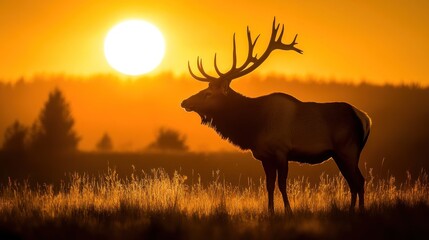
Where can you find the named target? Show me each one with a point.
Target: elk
(278, 128)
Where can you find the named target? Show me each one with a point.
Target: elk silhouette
(278, 128)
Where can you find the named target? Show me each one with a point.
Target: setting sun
(134, 47)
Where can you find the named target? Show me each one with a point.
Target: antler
(252, 61)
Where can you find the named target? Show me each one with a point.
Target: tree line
(53, 133)
(397, 143)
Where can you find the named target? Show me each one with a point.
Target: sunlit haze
(376, 41)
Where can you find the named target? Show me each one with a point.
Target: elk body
(279, 128)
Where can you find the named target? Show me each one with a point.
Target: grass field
(156, 205)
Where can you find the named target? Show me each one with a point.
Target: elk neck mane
(241, 120)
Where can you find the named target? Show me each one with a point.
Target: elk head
(218, 94)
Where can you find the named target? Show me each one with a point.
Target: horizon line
(307, 78)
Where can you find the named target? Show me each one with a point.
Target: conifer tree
(105, 144)
(53, 131)
(15, 138)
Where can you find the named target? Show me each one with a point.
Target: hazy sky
(381, 41)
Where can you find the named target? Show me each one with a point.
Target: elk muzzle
(187, 105)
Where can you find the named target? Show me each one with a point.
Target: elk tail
(366, 124)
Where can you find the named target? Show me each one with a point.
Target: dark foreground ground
(392, 222)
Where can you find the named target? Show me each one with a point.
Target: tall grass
(155, 205)
(145, 193)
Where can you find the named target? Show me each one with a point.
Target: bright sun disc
(134, 47)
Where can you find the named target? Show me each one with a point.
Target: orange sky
(381, 41)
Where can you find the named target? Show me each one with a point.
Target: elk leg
(270, 174)
(283, 171)
(361, 190)
(349, 174)
(353, 200)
